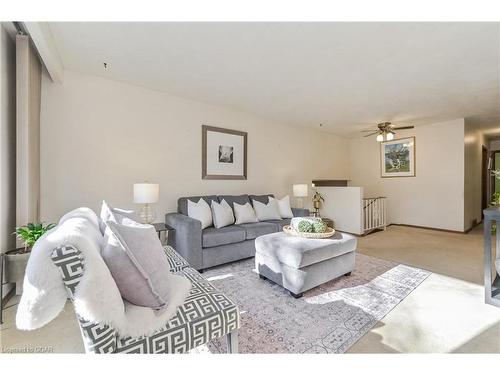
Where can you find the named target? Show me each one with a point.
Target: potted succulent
(16, 260)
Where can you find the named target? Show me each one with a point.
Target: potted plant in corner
(16, 260)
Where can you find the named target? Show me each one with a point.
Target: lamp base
(147, 214)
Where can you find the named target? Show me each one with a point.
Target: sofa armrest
(300, 212)
(186, 239)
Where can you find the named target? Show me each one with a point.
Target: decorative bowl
(290, 230)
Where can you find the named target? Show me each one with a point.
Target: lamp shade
(146, 193)
(300, 190)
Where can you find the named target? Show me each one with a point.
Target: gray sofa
(211, 247)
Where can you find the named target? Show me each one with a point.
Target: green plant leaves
(32, 232)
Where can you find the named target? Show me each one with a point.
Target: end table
(162, 227)
(328, 222)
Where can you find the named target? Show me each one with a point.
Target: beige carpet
(446, 313)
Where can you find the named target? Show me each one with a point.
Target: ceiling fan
(385, 131)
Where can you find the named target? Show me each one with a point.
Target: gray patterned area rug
(327, 319)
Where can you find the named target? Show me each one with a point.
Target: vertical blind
(28, 95)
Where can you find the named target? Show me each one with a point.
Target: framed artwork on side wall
(224, 154)
(397, 158)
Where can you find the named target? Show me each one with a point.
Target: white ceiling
(346, 76)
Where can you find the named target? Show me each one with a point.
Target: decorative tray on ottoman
(290, 230)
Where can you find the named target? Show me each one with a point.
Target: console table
(491, 277)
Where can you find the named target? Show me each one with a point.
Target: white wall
(474, 142)
(99, 136)
(344, 206)
(435, 196)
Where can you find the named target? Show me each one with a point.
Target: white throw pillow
(244, 213)
(284, 207)
(116, 215)
(267, 211)
(222, 214)
(200, 211)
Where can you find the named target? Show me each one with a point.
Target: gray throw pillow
(139, 266)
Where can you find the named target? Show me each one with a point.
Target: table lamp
(145, 194)
(300, 191)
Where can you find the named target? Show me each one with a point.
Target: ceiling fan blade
(368, 130)
(371, 134)
(403, 127)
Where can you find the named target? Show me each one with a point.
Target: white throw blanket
(96, 298)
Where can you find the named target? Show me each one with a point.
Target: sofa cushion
(280, 223)
(261, 198)
(300, 212)
(231, 199)
(254, 230)
(182, 204)
(212, 237)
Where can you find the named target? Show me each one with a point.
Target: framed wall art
(224, 154)
(397, 157)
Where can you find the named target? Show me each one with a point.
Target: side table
(328, 222)
(162, 227)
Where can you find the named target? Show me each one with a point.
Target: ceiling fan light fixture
(385, 131)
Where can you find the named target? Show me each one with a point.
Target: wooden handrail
(372, 201)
